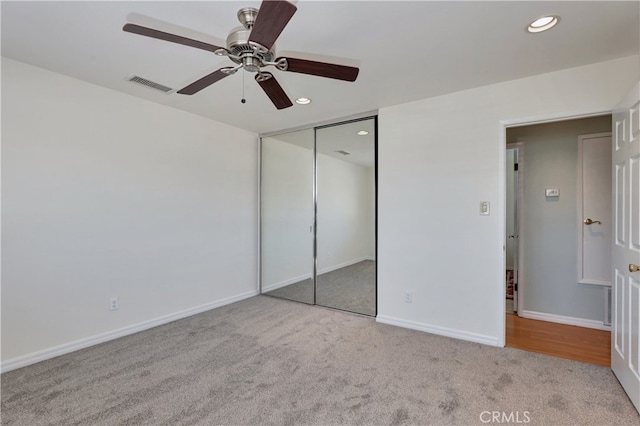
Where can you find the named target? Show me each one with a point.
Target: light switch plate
(484, 208)
(553, 192)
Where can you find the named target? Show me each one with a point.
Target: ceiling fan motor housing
(248, 53)
(251, 55)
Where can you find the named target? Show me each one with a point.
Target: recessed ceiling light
(542, 24)
(303, 101)
(362, 133)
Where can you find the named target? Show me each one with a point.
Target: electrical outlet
(408, 297)
(114, 304)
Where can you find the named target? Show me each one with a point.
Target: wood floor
(565, 341)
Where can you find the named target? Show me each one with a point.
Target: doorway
(318, 216)
(547, 280)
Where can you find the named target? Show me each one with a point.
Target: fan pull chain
(243, 100)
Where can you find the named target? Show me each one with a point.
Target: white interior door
(594, 209)
(625, 340)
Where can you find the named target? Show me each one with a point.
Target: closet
(318, 215)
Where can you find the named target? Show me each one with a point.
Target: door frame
(503, 125)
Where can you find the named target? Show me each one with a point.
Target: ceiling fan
(252, 49)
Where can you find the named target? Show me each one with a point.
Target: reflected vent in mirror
(343, 152)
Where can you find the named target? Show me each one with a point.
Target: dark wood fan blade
(321, 69)
(272, 17)
(273, 90)
(204, 82)
(173, 38)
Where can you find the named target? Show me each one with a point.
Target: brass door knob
(633, 268)
(588, 221)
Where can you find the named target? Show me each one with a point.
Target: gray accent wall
(550, 230)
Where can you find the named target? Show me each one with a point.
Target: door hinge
(515, 167)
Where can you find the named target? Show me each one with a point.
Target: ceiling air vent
(343, 152)
(152, 84)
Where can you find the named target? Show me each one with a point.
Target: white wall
(548, 281)
(106, 195)
(438, 159)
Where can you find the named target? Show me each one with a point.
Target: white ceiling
(405, 50)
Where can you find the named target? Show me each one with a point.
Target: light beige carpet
(352, 288)
(269, 361)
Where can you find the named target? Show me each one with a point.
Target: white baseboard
(560, 319)
(342, 265)
(285, 283)
(441, 331)
(66, 348)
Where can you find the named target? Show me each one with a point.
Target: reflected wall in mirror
(346, 271)
(287, 215)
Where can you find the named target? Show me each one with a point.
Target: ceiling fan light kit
(251, 47)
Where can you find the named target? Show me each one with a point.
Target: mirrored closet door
(287, 216)
(318, 204)
(346, 272)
